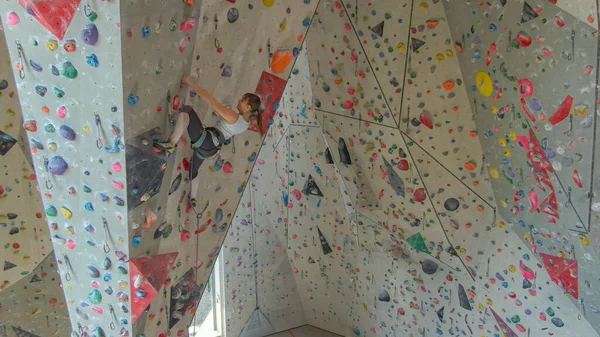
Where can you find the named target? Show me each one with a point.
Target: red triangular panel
(155, 268)
(563, 272)
(139, 304)
(504, 328)
(55, 15)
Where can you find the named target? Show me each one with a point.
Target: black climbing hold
(22, 333)
(344, 154)
(526, 284)
(311, 188)
(232, 15)
(175, 184)
(416, 44)
(415, 122)
(503, 2)
(378, 29)
(429, 267)
(35, 278)
(328, 157)
(324, 244)
(401, 153)
(9, 265)
(106, 264)
(383, 296)
(450, 250)
(528, 13)
(310, 260)
(3, 85)
(440, 314)
(463, 299)
(395, 180)
(451, 204)
(93, 271)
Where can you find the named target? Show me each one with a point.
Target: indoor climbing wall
(322, 244)
(21, 218)
(239, 268)
(157, 46)
(343, 82)
(255, 249)
(296, 106)
(436, 113)
(66, 60)
(533, 73)
(35, 305)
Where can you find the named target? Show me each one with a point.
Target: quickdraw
(21, 64)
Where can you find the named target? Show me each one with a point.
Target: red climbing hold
(420, 195)
(576, 179)
(55, 15)
(563, 111)
(403, 165)
(426, 119)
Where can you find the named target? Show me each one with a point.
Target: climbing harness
(197, 145)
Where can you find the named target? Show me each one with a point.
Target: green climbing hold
(69, 70)
(172, 26)
(51, 211)
(515, 319)
(86, 189)
(413, 75)
(388, 16)
(95, 296)
(550, 312)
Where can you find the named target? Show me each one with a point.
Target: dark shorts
(206, 149)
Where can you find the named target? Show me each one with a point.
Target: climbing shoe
(165, 146)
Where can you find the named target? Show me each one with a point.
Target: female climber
(206, 142)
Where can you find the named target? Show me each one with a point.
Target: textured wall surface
(429, 169)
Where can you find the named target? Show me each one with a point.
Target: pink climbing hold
(348, 104)
(347, 27)
(71, 244)
(523, 142)
(62, 112)
(227, 168)
(116, 167)
(260, 162)
(533, 199)
(187, 25)
(420, 195)
(118, 185)
(297, 194)
(426, 119)
(351, 91)
(13, 18)
(526, 271)
(526, 88)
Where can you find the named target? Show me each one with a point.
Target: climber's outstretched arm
(229, 115)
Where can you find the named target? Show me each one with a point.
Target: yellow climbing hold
(504, 203)
(121, 240)
(489, 301)
(512, 268)
(401, 47)
(52, 45)
(68, 214)
(495, 109)
(484, 84)
(494, 173)
(461, 251)
(449, 52)
(268, 3)
(365, 306)
(502, 142)
(584, 239)
(481, 306)
(507, 152)
(512, 135)
(283, 25)
(501, 225)
(439, 57)
(86, 128)
(423, 7)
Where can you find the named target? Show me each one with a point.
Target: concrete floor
(305, 331)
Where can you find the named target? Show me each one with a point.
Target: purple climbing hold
(57, 165)
(89, 34)
(67, 132)
(226, 71)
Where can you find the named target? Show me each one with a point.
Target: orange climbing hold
(470, 166)
(281, 60)
(448, 85)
